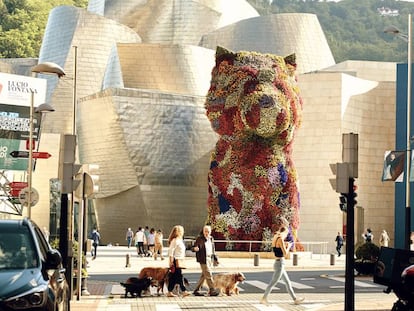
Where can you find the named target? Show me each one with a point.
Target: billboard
(394, 162)
(15, 99)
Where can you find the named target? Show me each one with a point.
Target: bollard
(332, 261)
(127, 264)
(256, 260)
(295, 259)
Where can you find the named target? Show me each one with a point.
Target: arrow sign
(19, 154)
(25, 154)
(41, 155)
(18, 184)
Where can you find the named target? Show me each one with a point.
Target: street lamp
(406, 37)
(50, 68)
(41, 109)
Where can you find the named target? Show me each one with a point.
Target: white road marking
(357, 283)
(167, 307)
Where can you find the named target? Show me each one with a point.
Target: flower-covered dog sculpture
(254, 105)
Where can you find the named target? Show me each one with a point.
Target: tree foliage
(22, 24)
(354, 29)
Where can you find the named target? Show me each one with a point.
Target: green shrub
(367, 251)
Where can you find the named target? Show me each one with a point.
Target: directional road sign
(35, 154)
(16, 187)
(18, 184)
(24, 197)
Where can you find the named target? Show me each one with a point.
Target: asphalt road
(319, 281)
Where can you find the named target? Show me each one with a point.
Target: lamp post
(41, 109)
(395, 31)
(50, 68)
(66, 235)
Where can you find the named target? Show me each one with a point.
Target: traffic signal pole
(350, 241)
(346, 173)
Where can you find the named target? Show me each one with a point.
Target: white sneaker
(299, 300)
(264, 301)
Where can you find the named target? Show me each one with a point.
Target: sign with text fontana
(15, 99)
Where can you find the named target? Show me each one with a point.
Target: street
(321, 284)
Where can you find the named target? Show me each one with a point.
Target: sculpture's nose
(266, 101)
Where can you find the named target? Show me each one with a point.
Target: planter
(364, 267)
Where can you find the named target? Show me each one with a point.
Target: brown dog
(157, 274)
(227, 282)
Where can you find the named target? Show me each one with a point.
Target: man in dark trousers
(95, 242)
(339, 242)
(204, 248)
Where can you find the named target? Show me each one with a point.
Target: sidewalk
(112, 260)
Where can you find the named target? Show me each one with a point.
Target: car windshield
(17, 250)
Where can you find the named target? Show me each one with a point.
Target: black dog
(135, 286)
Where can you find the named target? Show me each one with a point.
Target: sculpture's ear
(224, 54)
(291, 59)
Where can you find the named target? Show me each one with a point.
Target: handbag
(172, 268)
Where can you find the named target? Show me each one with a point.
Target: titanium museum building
(143, 69)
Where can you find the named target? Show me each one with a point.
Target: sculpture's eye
(250, 86)
(266, 101)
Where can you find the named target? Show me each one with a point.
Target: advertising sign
(7, 162)
(15, 99)
(394, 162)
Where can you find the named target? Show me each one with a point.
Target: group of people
(205, 256)
(368, 237)
(383, 240)
(148, 242)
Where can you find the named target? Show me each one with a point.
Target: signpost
(25, 154)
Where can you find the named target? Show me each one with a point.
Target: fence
(313, 247)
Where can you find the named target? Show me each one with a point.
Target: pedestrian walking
(151, 242)
(146, 233)
(205, 256)
(384, 238)
(129, 237)
(339, 243)
(368, 236)
(158, 244)
(281, 251)
(176, 254)
(139, 242)
(96, 237)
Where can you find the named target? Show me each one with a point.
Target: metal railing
(313, 247)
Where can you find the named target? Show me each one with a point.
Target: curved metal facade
(280, 34)
(141, 80)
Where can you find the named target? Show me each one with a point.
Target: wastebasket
(256, 260)
(332, 260)
(295, 259)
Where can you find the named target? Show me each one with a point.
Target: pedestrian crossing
(329, 281)
(304, 284)
(308, 285)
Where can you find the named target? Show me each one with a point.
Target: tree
(22, 23)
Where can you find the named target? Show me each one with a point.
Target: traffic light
(343, 202)
(341, 183)
(353, 195)
(67, 167)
